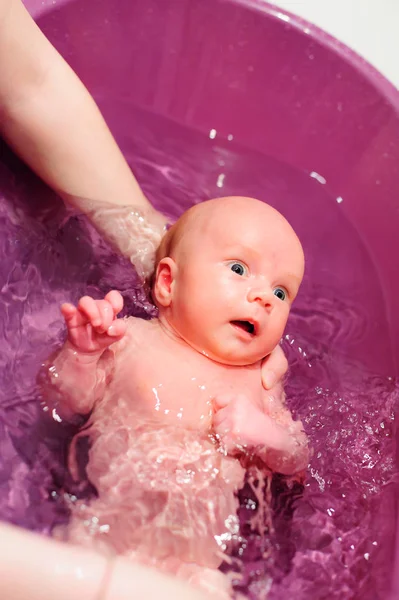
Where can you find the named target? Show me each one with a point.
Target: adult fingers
(274, 367)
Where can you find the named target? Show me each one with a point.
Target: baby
(175, 401)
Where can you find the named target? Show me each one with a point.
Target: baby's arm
(278, 440)
(75, 378)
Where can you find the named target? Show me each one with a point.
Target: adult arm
(38, 568)
(52, 122)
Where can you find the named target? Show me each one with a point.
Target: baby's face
(237, 274)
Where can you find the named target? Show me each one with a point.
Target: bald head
(231, 216)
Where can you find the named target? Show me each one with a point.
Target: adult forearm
(52, 122)
(49, 118)
(54, 569)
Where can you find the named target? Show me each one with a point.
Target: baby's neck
(167, 330)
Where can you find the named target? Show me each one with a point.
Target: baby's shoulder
(137, 327)
(137, 332)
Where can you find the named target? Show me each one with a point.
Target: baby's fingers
(117, 329)
(220, 402)
(98, 312)
(68, 311)
(106, 314)
(116, 301)
(73, 318)
(89, 308)
(220, 420)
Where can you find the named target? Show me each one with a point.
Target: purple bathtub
(265, 81)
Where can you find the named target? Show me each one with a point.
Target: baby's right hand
(92, 325)
(234, 420)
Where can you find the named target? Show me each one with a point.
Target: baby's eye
(280, 293)
(239, 268)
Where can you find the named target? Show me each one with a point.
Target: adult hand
(273, 370)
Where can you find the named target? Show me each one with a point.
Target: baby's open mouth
(245, 326)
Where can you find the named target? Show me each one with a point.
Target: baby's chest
(167, 387)
(180, 387)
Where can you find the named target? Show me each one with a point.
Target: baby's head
(226, 275)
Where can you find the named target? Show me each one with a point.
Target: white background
(371, 28)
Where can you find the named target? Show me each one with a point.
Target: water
(331, 539)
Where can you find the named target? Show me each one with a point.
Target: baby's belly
(162, 491)
(157, 455)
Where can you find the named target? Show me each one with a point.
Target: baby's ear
(163, 282)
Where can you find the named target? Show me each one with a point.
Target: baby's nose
(262, 295)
